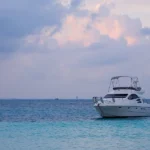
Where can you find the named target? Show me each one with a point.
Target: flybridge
(115, 83)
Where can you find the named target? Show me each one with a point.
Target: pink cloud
(75, 30)
(85, 30)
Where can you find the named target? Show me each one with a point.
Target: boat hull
(123, 111)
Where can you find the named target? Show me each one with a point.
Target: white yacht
(123, 101)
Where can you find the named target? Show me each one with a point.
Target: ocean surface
(67, 125)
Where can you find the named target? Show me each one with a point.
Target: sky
(69, 48)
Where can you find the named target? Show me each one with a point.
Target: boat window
(146, 101)
(133, 96)
(116, 96)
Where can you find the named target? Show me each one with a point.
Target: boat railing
(97, 99)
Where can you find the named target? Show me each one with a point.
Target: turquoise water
(67, 125)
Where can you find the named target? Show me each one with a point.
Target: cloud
(17, 19)
(75, 29)
(88, 29)
(70, 49)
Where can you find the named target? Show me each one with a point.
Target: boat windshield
(116, 96)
